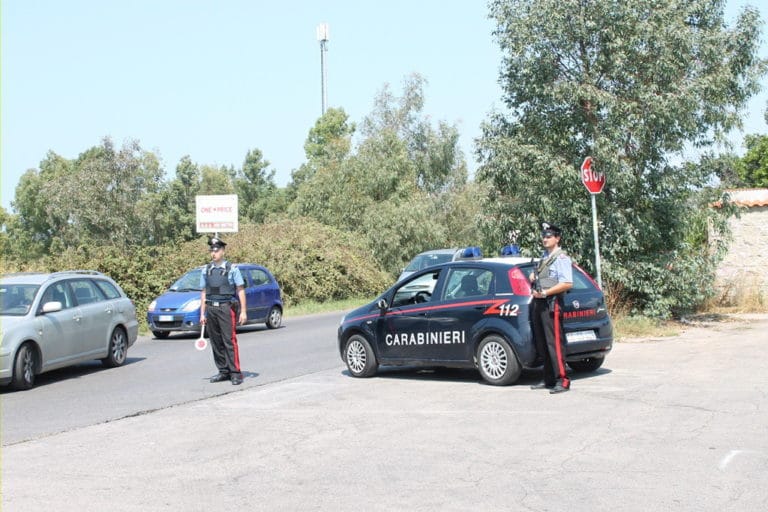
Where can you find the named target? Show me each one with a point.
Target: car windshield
(189, 282)
(427, 260)
(15, 299)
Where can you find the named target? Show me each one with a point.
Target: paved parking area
(670, 424)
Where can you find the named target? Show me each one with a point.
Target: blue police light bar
(471, 253)
(510, 250)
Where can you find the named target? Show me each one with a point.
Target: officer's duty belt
(218, 302)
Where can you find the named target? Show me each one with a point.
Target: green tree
(392, 188)
(255, 187)
(6, 219)
(723, 166)
(216, 180)
(105, 196)
(753, 167)
(327, 146)
(177, 221)
(33, 230)
(631, 84)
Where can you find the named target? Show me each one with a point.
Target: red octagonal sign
(593, 180)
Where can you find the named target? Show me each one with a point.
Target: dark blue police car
(471, 314)
(178, 309)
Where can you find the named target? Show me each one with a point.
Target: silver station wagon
(50, 321)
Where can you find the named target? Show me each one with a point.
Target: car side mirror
(52, 306)
(382, 304)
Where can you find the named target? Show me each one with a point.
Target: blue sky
(213, 80)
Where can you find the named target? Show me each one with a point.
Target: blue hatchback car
(178, 309)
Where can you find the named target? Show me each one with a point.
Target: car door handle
(76, 318)
(108, 311)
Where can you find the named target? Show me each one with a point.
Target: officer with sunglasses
(553, 277)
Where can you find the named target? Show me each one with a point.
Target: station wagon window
(108, 289)
(58, 292)
(468, 282)
(417, 291)
(86, 291)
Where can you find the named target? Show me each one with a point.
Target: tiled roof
(747, 197)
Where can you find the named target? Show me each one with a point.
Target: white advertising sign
(216, 214)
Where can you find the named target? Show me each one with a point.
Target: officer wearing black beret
(552, 278)
(222, 305)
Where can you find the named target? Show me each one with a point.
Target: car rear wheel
(589, 364)
(161, 335)
(274, 318)
(118, 349)
(24, 368)
(497, 362)
(359, 357)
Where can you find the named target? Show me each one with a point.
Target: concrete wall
(745, 267)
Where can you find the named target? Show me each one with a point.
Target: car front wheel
(359, 357)
(118, 349)
(274, 318)
(497, 362)
(586, 365)
(24, 368)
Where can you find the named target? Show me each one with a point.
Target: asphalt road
(671, 424)
(163, 373)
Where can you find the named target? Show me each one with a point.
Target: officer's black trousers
(550, 340)
(220, 326)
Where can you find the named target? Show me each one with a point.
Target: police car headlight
(191, 305)
(341, 322)
(152, 305)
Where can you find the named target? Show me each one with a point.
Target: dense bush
(312, 262)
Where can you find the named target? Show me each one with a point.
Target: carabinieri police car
(471, 314)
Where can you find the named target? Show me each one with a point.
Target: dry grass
(643, 327)
(739, 297)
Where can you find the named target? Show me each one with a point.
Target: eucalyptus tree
(632, 84)
(106, 196)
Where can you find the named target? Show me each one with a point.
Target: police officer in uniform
(552, 278)
(222, 306)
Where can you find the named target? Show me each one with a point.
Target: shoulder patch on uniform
(562, 255)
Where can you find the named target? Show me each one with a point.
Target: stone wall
(745, 267)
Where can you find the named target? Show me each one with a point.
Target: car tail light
(518, 281)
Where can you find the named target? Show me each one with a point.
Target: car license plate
(165, 318)
(581, 336)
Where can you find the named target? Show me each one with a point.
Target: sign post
(594, 181)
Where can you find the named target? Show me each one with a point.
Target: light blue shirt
(561, 268)
(234, 277)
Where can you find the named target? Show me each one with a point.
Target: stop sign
(593, 180)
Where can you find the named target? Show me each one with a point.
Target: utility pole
(323, 37)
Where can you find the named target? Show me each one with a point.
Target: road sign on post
(216, 214)
(594, 181)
